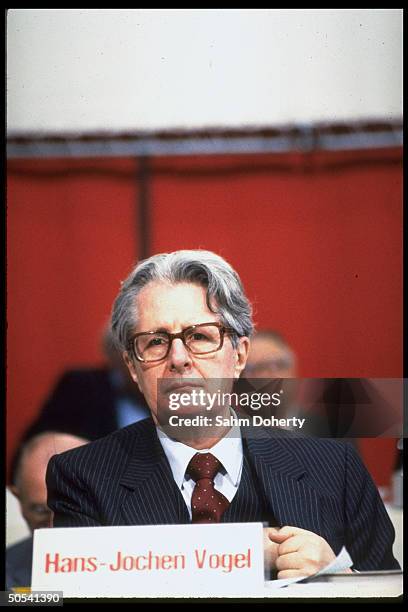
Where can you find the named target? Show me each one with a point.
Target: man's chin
(190, 423)
(185, 412)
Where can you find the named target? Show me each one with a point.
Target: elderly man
(182, 319)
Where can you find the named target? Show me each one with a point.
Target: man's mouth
(182, 386)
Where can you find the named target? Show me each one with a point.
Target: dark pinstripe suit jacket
(317, 484)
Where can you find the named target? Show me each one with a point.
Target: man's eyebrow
(165, 329)
(152, 330)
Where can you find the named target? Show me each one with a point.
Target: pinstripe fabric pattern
(317, 484)
(249, 503)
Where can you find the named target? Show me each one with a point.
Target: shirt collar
(228, 451)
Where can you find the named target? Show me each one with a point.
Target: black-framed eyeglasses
(200, 339)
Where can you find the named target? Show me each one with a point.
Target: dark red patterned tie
(207, 504)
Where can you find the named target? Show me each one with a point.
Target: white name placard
(150, 561)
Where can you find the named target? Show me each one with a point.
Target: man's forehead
(162, 305)
(267, 345)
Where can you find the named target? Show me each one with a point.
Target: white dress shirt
(228, 451)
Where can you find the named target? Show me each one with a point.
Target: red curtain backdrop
(316, 238)
(70, 241)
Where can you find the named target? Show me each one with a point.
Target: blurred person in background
(271, 359)
(30, 489)
(270, 356)
(90, 402)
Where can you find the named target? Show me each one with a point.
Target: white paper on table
(339, 564)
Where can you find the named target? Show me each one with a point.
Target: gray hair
(225, 294)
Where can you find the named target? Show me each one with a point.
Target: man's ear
(131, 367)
(242, 352)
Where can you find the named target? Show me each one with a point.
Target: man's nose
(179, 357)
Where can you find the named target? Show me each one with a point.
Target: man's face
(269, 359)
(32, 494)
(173, 308)
(31, 488)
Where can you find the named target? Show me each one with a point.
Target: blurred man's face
(173, 308)
(32, 494)
(269, 359)
(31, 489)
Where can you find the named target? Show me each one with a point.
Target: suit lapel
(292, 499)
(151, 495)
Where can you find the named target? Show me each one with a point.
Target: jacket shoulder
(111, 449)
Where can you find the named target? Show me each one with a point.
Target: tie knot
(203, 465)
